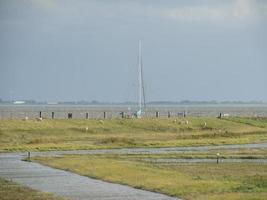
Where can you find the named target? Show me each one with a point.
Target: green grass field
(188, 181)
(185, 180)
(32, 135)
(13, 191)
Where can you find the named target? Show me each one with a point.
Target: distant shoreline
(152, 104)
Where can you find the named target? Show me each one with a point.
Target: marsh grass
(187, 181)
(19, 135)
(13, 191)
(255, 121)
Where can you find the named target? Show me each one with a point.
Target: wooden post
(29, 155)
(169, 114)
(69, 115)
(122, 114)
(184, 114)
(53, 115)
(157, 114)
(40, 114)
(86, 116)
(104, 115)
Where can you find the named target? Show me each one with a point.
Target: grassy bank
(32, 135)
(187, 181)
(13, 191)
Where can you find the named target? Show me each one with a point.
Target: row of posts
(70, 115)
(183, 114)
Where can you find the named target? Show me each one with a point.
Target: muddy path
(150, 150)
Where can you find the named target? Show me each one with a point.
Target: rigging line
(143, 85)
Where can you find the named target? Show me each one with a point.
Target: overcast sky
(70, 50)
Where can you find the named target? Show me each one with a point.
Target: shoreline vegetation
(59, 134)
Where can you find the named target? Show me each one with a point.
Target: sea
(117, 111)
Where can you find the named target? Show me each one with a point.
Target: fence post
(169, 114)
(40, 114)
(53, 115)
(157, 114)
(104, 115)
(86, 116)
(69, 115)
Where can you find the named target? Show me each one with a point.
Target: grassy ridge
(187, 181)
(257, 122)
(12, 191)
(19, 135)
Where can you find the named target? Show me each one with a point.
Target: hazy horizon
(95, 102)
(197, 50)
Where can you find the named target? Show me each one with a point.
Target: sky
(71, 50)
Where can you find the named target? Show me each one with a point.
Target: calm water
(114, 111)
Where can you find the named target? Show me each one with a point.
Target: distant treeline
(188, 102)
(94, 102)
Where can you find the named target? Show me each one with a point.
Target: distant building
(19, 102)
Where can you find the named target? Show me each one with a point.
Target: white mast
(141, 83)
(140, 76)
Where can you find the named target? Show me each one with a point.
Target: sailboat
(141, 103)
